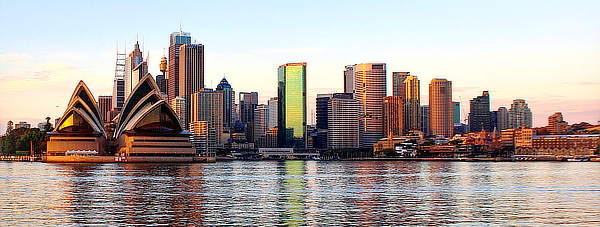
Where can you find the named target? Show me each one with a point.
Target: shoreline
(165, 159)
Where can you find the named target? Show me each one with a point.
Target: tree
(48, 126)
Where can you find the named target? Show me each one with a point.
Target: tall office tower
(440, 108)
(177, 39)
(456, 112)
(393, 119)
(161, 79)
(556, 124)
(191, 72)
(370, 88)
(412, 103)
(118, 96)
(342, 119)
(228, 103)
(162, 83)
(398, 79)
(207, 105)
(247, 105)
(261, 116)
(319, 141)
(104, 106)
(131, 62)
(204, 138)
(503, 119)
(178, 105)
(494, 121)
(349, 79)
(272, 112)
(138, 72)
(520, 114)
(425, 120)
(479, 117)
(291, 93)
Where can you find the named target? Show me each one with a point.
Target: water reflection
(300, 193)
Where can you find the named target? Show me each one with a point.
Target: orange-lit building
(393, 116)
(440, 108)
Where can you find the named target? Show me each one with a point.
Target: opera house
(146, 130)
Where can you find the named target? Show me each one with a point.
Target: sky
(546, 52)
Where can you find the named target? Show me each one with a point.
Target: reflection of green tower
(291, 92)
(295, 193)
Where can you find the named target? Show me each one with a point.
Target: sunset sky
(546, 52)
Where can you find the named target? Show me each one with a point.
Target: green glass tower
(291, 92)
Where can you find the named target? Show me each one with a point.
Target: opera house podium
(147, 130)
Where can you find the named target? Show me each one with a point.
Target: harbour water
(302, 193)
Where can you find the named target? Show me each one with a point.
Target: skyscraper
(343, 126)
(456, 112)
(191, 72)
(291, 94)
(370, 88)
(228, 102)
(479, 117)
(247, 105)
(207, 105)
(440, 104)
(425, 114)
(131, 62)
(398, 79)
(412, 103)
(261, 117)
(349, 79)
(273, 101)
(118, 96)
(520, 114)
(393, 116)
(104, 106)
(503, 119)
(177, 39)
(179, 107)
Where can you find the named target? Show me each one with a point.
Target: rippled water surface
(301, 193)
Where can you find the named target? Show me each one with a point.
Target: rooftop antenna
(180, 27)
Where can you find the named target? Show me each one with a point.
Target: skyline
(477, 46)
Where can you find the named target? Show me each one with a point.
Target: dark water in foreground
(301, 193)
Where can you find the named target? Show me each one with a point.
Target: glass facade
(292, 105)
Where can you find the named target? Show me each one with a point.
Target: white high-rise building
(520, 114)
(342, 121)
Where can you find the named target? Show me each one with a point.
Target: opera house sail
(148, 127)
(146, 130)
(80, 128)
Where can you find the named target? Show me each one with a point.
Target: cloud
(10, 57)
(593, 83)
